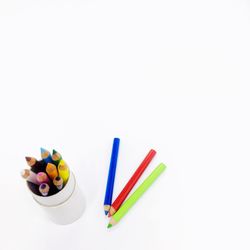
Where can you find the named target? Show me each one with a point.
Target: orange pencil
(51, 171)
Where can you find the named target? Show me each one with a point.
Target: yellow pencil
(63, 170)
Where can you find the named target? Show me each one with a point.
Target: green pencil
(136, 195)
(56, 157)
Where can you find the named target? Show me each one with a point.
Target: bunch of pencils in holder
(47, 176)
(120, 206)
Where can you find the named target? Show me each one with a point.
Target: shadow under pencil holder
(66, 206)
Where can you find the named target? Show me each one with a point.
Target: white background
(168, 75)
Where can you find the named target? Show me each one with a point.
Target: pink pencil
(30, 176)
(42, 178)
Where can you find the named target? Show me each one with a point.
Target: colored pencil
(36, 166)
(51, 171)
(46, 156)
(30, 176)
(130, 184)
(136, 195)
(111, 175)
(42, 178)
(56, 157)
(45, 172)
(63, 171)
(44, 189)
(58, 182)
(31, 161)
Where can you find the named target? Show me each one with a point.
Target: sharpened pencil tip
(109, 226)
(43, 150)
(54, 152)
(106, 212)
(28, 158)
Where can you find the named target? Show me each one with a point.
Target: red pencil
(130, 184)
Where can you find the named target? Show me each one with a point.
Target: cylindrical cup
(66, 206)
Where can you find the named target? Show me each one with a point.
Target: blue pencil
(46, 156)
(111, 176)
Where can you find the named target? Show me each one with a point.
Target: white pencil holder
(65, 206)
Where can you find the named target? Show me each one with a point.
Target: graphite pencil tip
(109, 225)
(106, 212)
